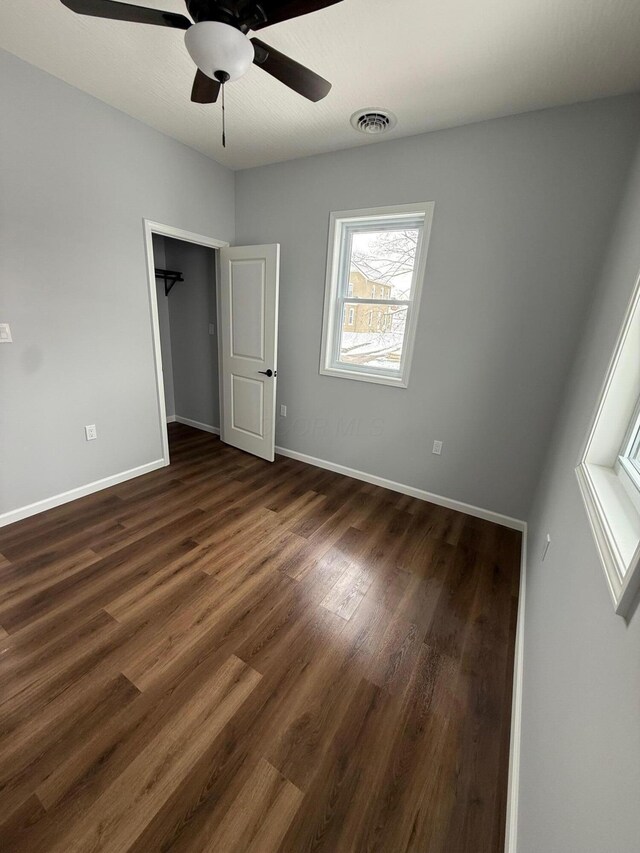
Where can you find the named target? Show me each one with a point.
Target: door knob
(268, 372)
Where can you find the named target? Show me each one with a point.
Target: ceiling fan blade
(205, 90)
(126, 12)
(291, 73)
(282, 10)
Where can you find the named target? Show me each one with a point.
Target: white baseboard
(196, 424)
(79, 492)
(511, 833)
(468, 509)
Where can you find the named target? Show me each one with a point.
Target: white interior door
(249, 281)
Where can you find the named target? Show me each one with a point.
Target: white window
(609, 468)
(388, 246)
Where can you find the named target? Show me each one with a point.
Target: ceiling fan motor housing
(216, 47)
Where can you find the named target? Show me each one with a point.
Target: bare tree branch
(389, 255)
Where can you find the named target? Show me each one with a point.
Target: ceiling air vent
(373, 121)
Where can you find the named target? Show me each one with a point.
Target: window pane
(372, 335)
(381, 263)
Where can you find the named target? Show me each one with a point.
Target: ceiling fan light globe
(214, 46)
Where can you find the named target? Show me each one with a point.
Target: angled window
(609, 469)
(375, 270)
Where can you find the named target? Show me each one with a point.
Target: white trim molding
(616, 531)
(79, 492)
(150, 228)
(613, 515)
(196, 424)
(420, 494)
(513, 784)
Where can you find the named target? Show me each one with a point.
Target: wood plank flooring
(233, 656)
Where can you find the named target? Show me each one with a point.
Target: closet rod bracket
(170, 277)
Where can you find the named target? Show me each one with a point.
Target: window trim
(614, 515)
(330, 322)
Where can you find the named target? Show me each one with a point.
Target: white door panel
(249, 280)
(247, 309)
(247, 405)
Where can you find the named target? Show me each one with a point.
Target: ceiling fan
(218, 42)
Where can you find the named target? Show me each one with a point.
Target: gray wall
(76, 179)
(522, 220)
(164, 324)
(523, 207)
(194, 352)
(580, 760)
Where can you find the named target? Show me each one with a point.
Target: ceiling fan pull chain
(222, 77)
(224, 135)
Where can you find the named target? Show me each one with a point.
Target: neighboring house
(367, 317)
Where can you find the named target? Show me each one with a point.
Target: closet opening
(184, 289)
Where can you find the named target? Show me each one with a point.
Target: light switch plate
(5, 334)
(212, 328)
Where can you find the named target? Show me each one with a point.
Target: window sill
(615, 523)
(361, 376)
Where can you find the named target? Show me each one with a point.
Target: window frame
(335, 301)
(607, 477)
(628, 463)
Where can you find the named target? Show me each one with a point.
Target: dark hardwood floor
(234, 656)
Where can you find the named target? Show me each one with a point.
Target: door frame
(150, 228)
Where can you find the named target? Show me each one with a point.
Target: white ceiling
(435, 63)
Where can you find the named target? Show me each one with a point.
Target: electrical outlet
(5, 334)
(546, 547)
(91, 432)
(283, 410)
(437, 448)
(212, 328)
